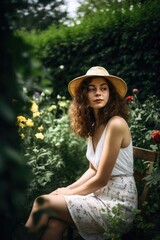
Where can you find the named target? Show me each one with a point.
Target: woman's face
(98, 93)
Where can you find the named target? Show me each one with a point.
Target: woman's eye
(91, 89)
(103, 89)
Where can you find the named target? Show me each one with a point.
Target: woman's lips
(98, 100)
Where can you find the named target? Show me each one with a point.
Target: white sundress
(91, 212)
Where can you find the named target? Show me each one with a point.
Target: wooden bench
(149, 157)
(139, 154)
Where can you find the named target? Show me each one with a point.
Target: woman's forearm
(90, 186)
(84, 178)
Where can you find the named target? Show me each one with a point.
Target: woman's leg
(55, 229)
(52, 206)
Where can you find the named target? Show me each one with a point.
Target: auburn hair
(81, 114)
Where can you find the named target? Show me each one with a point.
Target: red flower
(129, 98)
(156, 136)
(135, 91)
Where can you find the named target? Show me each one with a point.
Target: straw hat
(97, 71)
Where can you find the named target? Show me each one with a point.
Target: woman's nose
(98, 91)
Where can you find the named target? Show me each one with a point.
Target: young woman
(98, 113)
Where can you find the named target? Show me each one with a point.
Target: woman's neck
(96, 115)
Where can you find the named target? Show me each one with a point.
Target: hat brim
(119, 83)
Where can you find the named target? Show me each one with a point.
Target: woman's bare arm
(114, 137)
(91, 171)
(84, 178)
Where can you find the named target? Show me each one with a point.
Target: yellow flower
(62, 104)
(40, 128)
(39, 136)
(36, 114)
(52, 107)
(21, 125)
(34, 107)
(29, 122)
(21, 119)
(22, 136)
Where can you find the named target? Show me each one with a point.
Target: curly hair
(81, 114)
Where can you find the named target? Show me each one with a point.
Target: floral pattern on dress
(86, 211)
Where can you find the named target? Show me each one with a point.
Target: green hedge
(126, 44)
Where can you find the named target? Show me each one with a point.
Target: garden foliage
(55, 155)
(144, 125)
(14, 174)
(126, 43)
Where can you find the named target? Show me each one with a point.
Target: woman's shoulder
(118, 127)
(117, 122)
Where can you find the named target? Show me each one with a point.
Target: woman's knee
(42, 200)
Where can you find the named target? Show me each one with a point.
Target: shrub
(127, 44)
(144, 125)
(55, 155)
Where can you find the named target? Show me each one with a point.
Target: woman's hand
(61, 191)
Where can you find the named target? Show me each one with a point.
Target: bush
(144, 119)
(55, 155)
(144, 125)
(126, 44)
